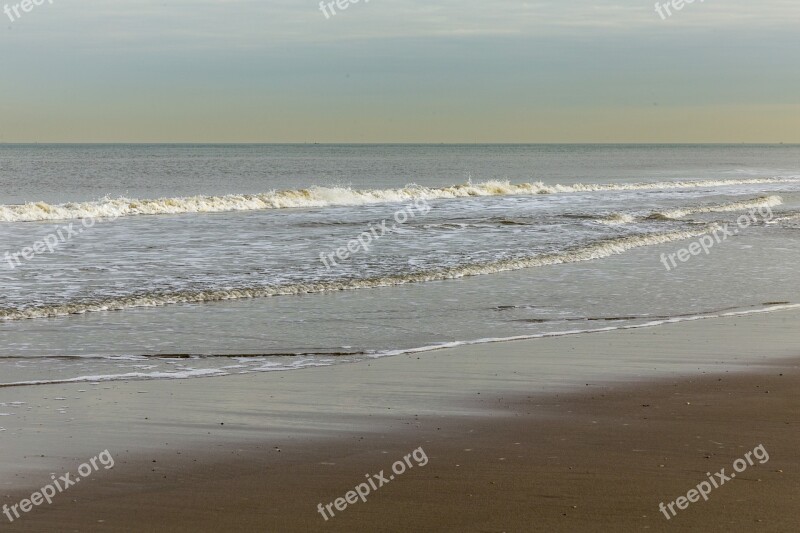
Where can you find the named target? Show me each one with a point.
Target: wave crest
(325, 197)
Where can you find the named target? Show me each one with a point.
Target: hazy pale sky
(400, 71)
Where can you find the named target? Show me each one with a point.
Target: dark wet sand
(515, 447)
(596, 461)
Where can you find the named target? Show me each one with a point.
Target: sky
(449, 71)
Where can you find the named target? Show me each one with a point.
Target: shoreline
(567, 462)
(254, 450)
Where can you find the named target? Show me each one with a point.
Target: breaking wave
(597, 250)
(616, 219)
(765, 201)
(327, 196)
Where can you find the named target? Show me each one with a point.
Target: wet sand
(521, 446)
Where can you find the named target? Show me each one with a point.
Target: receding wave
(177, 374)
(764, 201)
(649, 324)
(327, 196)
(148, 356)
(222, 372)
(597, 250)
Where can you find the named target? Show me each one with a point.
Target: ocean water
(173, 261)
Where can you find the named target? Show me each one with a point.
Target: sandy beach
(528, 445)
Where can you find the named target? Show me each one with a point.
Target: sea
(141, 262)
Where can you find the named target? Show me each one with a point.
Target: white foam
(765, 201)
(328, 196)
(130, 376)
(653, 323)
(785, 218)
(308, 363)
(597, 250)
(183, 374)
(616, 219)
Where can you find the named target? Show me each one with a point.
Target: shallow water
(211, 260)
